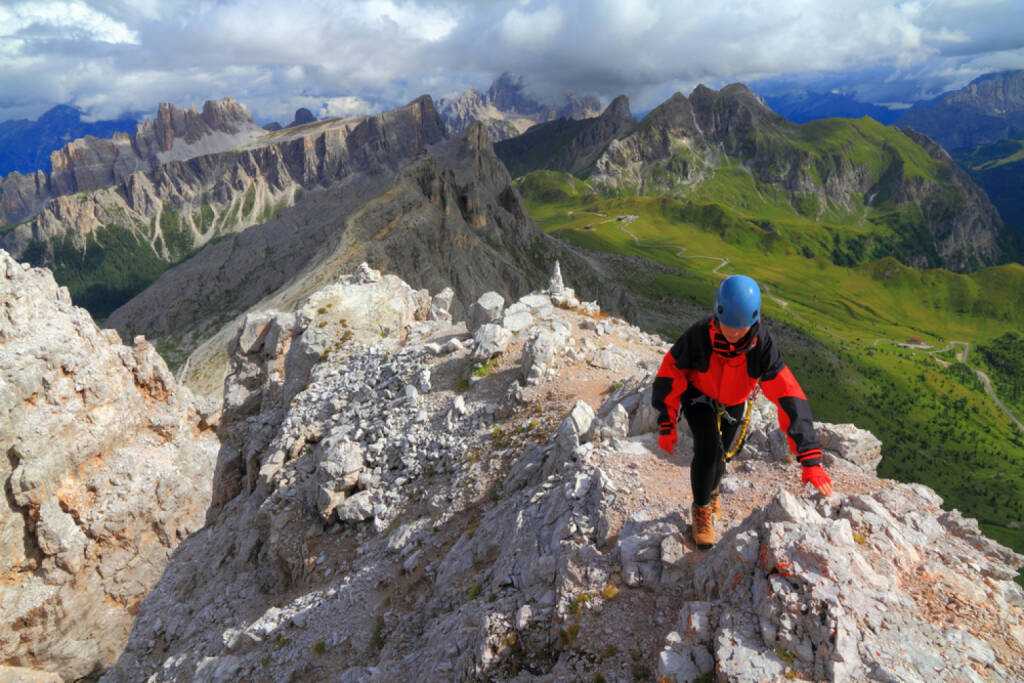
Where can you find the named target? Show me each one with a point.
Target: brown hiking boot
(716, 505)
(703, 526)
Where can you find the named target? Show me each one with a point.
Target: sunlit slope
(881, 298)
(842, 327)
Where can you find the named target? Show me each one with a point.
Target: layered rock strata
(220, 191)
(90, 163)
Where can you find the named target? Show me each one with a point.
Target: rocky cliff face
(486, 500)
(505, 110)
(25, 146)
(988, 109)
(107, 467)
(90, 163)
(163, 215)
(567, 144)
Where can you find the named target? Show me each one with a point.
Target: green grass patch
(485, 369)
(249, 202)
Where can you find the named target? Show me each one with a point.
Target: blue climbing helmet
(738, 302)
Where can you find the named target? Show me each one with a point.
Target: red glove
(817, 477)
(667, 437)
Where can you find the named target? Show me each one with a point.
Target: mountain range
(507, 109)
(414, 452)
(880, 188)
(25, 146)
(91, 163)
(988, 109)
(806, 106)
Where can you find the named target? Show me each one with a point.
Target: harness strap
(741, 435)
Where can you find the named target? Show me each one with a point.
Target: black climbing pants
(707, 467)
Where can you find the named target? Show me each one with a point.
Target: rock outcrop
(411, 510)
(302, 117)
(107, 467)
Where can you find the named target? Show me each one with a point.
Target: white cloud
(74, 19)
(133, 54)
(524, 30)
(423, 22)
(344, 107)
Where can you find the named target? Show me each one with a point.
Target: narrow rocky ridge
(450, 216)
(408, 498)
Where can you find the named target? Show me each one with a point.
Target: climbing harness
(741, 433)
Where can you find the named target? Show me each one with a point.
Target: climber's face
(733, 334)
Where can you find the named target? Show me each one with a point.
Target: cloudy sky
(358, 56)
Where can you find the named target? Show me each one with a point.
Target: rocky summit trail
(398, 496)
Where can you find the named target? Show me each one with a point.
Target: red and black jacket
(703, 359)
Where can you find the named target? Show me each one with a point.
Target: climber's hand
(819, 478)
(667, 437)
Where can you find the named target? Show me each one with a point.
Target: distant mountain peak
(507, 110)
(302, 116)
(25, 146)
(988, 109)
(619, 108)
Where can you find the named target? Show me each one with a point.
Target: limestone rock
(275, 352)
(857, 446)
(490, 340)
(465, 533)
(540, 352)
(440, 305)
(108, 469)
(487, 309)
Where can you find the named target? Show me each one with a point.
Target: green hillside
(841, 327)
(850, 191)
(800, 184)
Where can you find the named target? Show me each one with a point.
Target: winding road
(962, 357)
